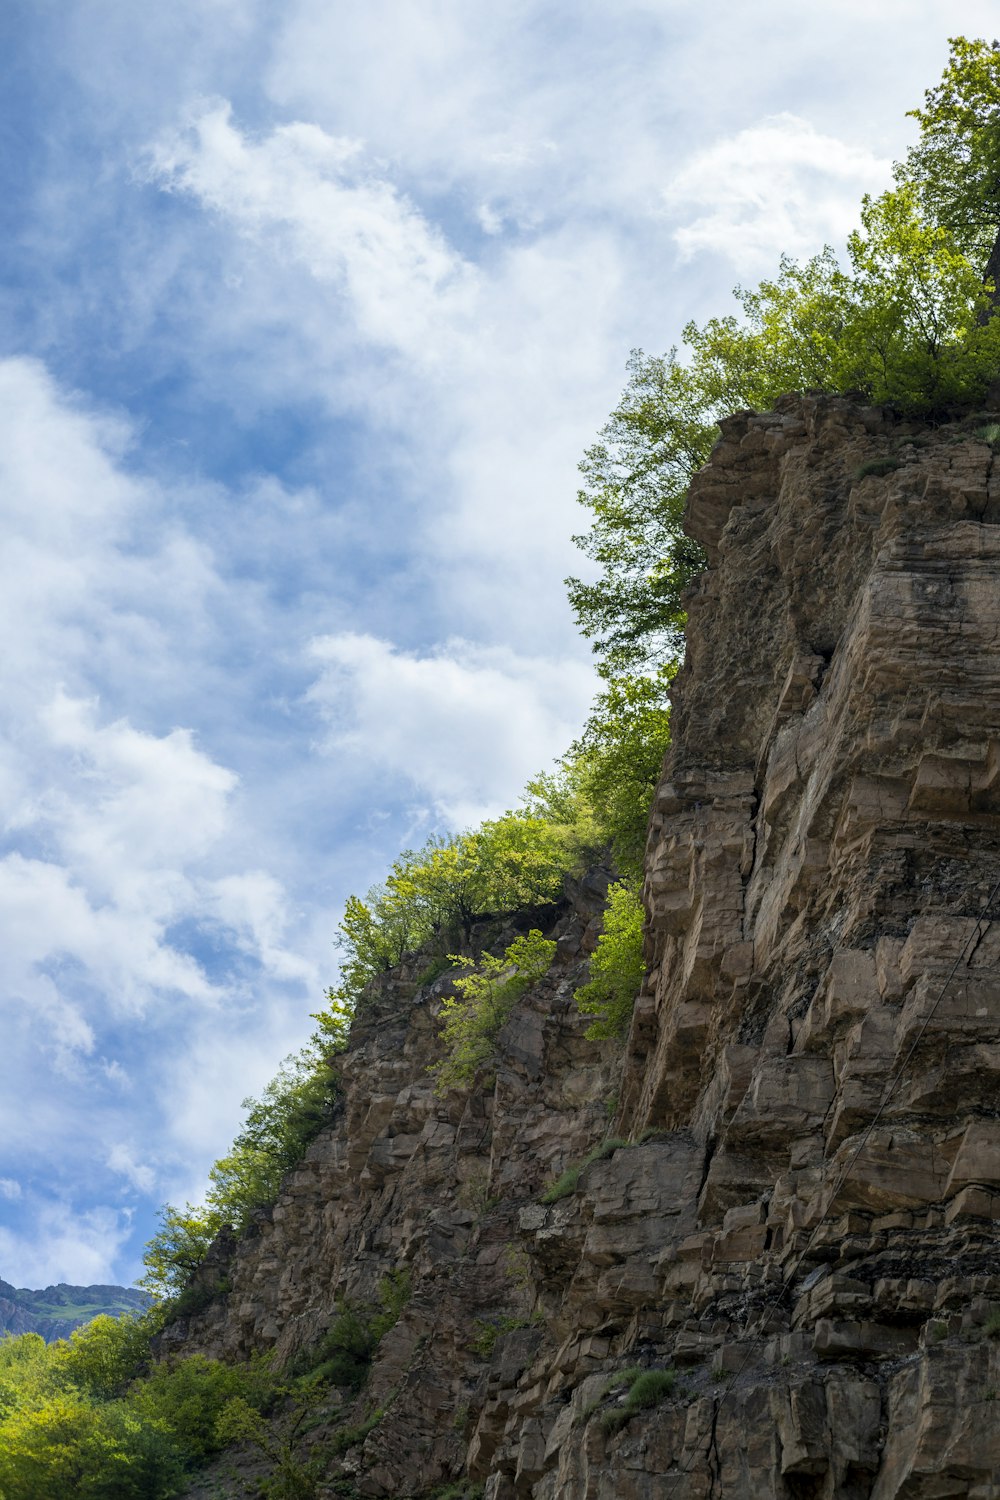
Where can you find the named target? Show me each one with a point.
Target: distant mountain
(57, 1310)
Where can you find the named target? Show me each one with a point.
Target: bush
(343, 1356)
(618, 760)
(486, 996)
(436, 895)
(78, 1419)
(567, 1182)
(617, 966)
(878, 467)
(647, 1389)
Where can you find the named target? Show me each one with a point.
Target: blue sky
(307, 313)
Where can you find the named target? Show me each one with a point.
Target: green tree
(617, 966)
(955, 165)
(485, 996)
(105, 1355)
(618, 760)
(635, 485)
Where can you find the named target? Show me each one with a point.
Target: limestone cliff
(803, 1223)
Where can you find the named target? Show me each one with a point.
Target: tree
(636, 477)
(955, 166)
(484, 998)
(618, 760)
(617, 967)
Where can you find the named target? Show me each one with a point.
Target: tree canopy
(906, 319)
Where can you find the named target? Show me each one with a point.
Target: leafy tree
(474, 1016)
(618, 759)
(617, 967)
(105, 1355)
(438, 893)
(635, 485)
(904, 323)
(178, 1248)
(955, 166)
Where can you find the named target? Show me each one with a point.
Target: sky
(307, 314)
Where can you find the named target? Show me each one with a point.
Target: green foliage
(618, 759)
(906, 320)
(566, 1184)
(877, 466)
(185, 1398)
(485, 997)
(617, 965)
(989, 434)
(343, 1356)
(991, 1328)
(179, 1247)
(635, 485)
(86, 1417)
(647, 1389)
(290, 1477)
(436, 894)
(489, 1330)
(350, 1437)
(955, 166)
(394, 1291)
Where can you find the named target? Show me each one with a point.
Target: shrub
(567, 1182)
(343, 1356)
(647, 1388)
(564, 1185)
(486, 996)
(617, 966)
(878, 467)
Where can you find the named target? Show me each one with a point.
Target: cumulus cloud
(777, 186)
(315, 196)
(121, 1159)
(128, 912)
(63, 1244)
(458, 723)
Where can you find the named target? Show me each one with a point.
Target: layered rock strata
(803, 1224)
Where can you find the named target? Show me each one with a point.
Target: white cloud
(459, 723)
(315, 196)
(121, 1159)
(61, 1244)
(493, 378)
(130, 917)
(10, 1188)
(778, 186)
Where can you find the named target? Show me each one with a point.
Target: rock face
(803, 1222)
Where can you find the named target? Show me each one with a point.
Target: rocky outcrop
(802, 1222)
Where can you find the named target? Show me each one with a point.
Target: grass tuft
(878, 467)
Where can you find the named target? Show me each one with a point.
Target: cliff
(801, 1221)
